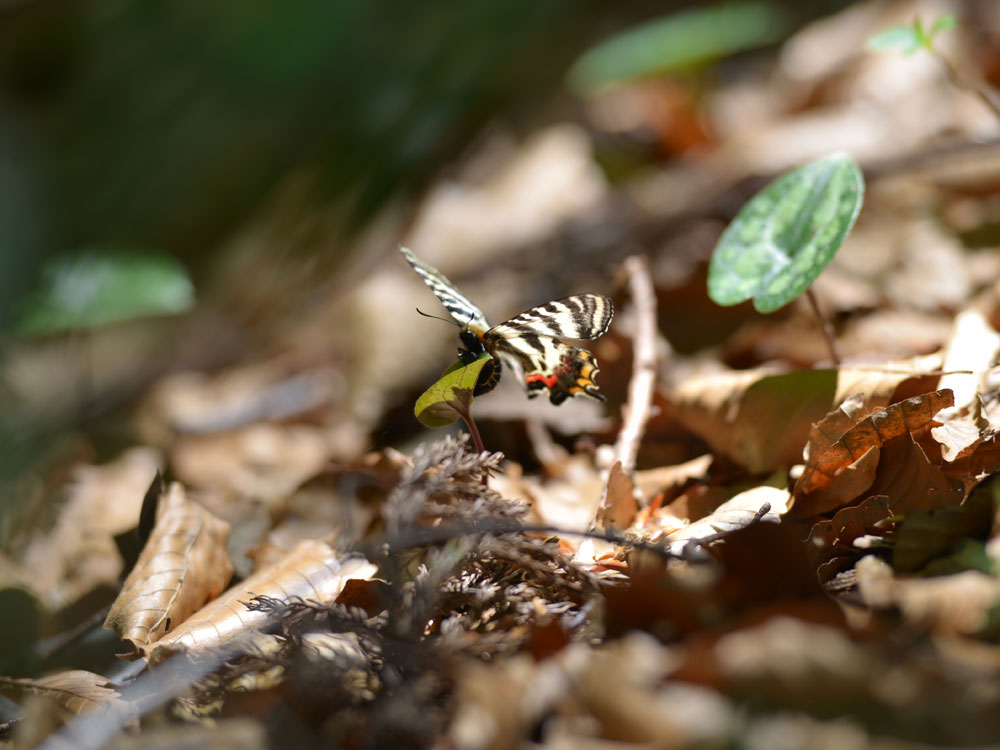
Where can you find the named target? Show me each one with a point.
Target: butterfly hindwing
(456, 303)
(548, 363)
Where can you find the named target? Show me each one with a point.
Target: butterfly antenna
(452, 322)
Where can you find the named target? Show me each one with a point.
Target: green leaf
(679, 41)
(905, 39)
(450, 397)
(943, 23)
(786, 235)
(103, 285)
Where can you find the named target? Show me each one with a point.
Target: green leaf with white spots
(787, 234)
(450, 397)
(101, 285)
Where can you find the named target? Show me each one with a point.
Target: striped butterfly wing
(461, 308)
(548, 363)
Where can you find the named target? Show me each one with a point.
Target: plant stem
(826, 326)
(477, 440)
(962, 82)
(474, 431)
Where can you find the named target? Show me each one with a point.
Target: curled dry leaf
(313, 570)
(183, 565)
(77, 690)
(906, 416)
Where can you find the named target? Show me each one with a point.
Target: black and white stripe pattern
(461, 308)
(529, 340)
(583, 316)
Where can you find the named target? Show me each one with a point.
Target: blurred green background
(159, 131)
(163, 125)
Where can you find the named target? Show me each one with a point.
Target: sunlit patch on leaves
(450, 398)
(312, 570)
(106, 285)
(787, 234)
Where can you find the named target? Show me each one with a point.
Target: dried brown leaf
(929, 533)
(982, 460)
(183, 565)
(851, 483)
(619, 506)
(876, 430)
(736, 513)
(313, 570)
(761, 419)
(827, 431)
(960, 436)
(853, 522)
(80, 553)
(910, 480)
(77, 690)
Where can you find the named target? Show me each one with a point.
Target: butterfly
(527, 341)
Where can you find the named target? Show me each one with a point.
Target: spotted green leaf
(101, 285)
(786, 235)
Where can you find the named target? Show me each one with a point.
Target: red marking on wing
(550, 380)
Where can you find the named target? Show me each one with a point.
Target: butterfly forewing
(583, 316)
(456, 303)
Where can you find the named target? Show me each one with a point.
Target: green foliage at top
(786, 235)
(909, 39)
(104, 285)
(450, 398)
(679, 41)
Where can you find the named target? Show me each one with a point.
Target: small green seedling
(450, 398)
(786, 235)
(916, 37)
(910, 39)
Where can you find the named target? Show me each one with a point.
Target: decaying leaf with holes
(183, 565)
(313, 570)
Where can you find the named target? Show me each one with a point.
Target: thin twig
(643, 383)
(960, 81)
(825, 325)
(640, 388)
(421, 536)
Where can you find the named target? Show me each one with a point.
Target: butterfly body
(528, 341)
